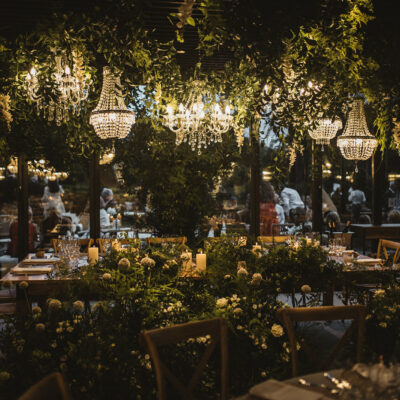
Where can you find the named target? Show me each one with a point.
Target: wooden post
(378, 178)
(23, 205)
(255, 181)
(344, 196)
(316, 195)
(94, 195)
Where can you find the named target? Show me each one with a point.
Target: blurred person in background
(268, 214)
(52, 198)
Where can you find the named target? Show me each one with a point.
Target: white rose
(305, 289)
(242, 272)
(222, 302)
(277, 330)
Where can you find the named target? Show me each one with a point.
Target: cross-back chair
(384, 245)
(180, 241)
(156, 338)
(236, 239)
(52, 387)
(100, 242)
(289, 316)
(271, 240)
(83, 243)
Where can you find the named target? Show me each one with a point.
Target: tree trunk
(255, 181)
(317, 221)
(23, 205)
(94, 188)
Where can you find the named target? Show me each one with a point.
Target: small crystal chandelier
(199, 124)
(356, 142)
(72, 89)
(111, 118)
(326, 130)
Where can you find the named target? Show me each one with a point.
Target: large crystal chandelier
(71, 90)
(111, 118)
(356, 142)
(199, 123)
(326, 130)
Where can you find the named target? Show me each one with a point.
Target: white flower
(256, 279)
(222, 302)
(106, 276)
(264, 346)
(78, 306)
(239, 327)
(242, 272)
(147, 262)
(237, 310)
(254, 306)
(36, 310)
(305, 289)
(54, 304)
(227, 276)
(277, 330)
(124, 264)
(40, 328)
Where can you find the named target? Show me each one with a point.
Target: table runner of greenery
(97, 346)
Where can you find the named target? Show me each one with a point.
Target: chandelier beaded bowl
(356, 142)
(111, 118)
(326, 130)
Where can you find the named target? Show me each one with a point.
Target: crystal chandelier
(72, 89)
(111, 118)
(199, 124)
(356, 142)
(326, 130)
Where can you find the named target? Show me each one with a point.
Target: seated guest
(357, 199)
(291, 200)
(268, 215)
(32, 236)
(53, 219)
(107, 196)
(279, 210)
(394, 217)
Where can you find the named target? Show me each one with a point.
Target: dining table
(315, 386)
(42, 276)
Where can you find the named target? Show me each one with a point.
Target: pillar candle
(93, 255)
(201, 262)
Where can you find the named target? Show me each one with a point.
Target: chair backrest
(101, 241)
(83, 243)
(357, 313)
(52, 387)
(160, 240)
(236, 240)
(388, 244)
(346, 238)
(156, 338)
(269, 240)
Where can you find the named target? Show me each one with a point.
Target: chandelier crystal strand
(325, 131)
(197, 125)
(111, 118)
(72, 89)
(356, 142)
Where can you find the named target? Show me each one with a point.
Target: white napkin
(275, 390)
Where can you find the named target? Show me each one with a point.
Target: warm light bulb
(169, 110)
(266, 88)
(227, 110)
(33, 71)
(310, 85)
(28, 77)
(113, 116)
(217, 108)
(181, 108)
(67, 70)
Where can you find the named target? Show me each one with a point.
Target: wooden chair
(271, 240)
(346, 238)
(83, 243)
(388, 244)
(180, 241)
(357, 313)
(236, 240)
(100, 242)
(52, 387)
(156, 338)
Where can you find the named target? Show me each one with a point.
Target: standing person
(291, 200)
(268, 215)
(52, 198)
(32, 236)
(357, 199)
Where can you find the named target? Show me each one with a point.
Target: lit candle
(201, 262)
(308, 240)
(93, 255)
